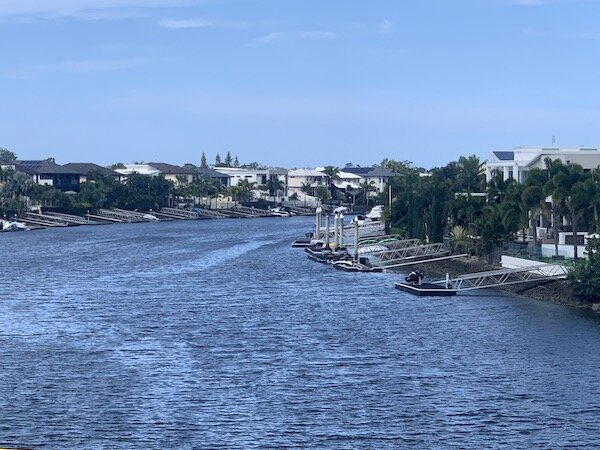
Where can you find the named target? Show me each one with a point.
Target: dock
(542, 273)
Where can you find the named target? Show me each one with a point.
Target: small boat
(354, 266)
(6, 226)
(414, 285)
(279, 212)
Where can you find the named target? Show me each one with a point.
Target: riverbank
(558, 292)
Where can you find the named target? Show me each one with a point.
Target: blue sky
(296, 82)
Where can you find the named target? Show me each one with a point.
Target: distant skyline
(296, 83)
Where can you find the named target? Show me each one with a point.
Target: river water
(216, 334)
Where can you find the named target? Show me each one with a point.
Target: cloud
(304, 35)
(180, 24)
(544, 2)
(386, 27)
(77, 67)
(79, 8)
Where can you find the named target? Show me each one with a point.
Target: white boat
(278, 212)
(6, 225)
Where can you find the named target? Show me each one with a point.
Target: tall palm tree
(550, 189)
(367, 187)
(334, 174)
(570, 190)
(471, 175)
(274, 186)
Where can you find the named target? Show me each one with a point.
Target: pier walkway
(504, 277)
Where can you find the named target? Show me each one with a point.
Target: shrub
(584, 278)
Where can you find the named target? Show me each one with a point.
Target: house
(258, 177)
(300, 180)
(517, 162)
(180, 176)
(88, 170)
(47, 172)
(377, 176)
(221, 179)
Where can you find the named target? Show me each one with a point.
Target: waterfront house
(257, 177)
(47, 172)
(180, 176)
(220, 178)
(88, 170)
(377, 176)
(517, 162)
(311, 178)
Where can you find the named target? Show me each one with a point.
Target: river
(212, 334)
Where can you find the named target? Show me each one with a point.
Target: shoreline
(557, 292)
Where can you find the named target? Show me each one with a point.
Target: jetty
(540, 273)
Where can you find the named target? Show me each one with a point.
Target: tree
(274, 185)
(471, 176)
(323, 194)
(236, 163)
(366, 187)
(118, 165)
(228, 161)
(584, 278)
(203, 163)
(569, 189)
(334, 174)
(7, 156)
(551, 189)
(218, 160)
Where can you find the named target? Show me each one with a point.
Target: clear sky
(296, 82)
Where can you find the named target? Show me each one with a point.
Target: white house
(259, 177)
(176, 174)
(378, 176)
(517, 162)
(297, 178)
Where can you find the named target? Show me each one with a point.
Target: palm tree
(334, 174)
(471, 176)
(570, 190)
(366, 187)
(551, 190)
(274, 185)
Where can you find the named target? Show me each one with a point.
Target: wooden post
(356, 241)
(336, 231)
(327, 231)
(341, 230)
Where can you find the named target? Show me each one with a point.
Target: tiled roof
(370, 171)
(171, 169)
(211, 173)
(88, 168)
(44, 166)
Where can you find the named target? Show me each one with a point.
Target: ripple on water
(218, 334)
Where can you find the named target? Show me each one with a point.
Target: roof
(370, 171)
(171, 169)
(44, 166)
(504, 156)
(89, 168)
(211, 173)
(306, 173)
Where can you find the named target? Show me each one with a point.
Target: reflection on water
(217, 333)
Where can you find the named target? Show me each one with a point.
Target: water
(217, 334)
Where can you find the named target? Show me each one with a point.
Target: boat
(414, 285)
(350, 265)
(6, 226)
(279, 212)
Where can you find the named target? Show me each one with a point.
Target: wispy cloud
(77, 67)
(386, 27)
(180, 24)
(545, 2)
(84, 9)
(295, 35)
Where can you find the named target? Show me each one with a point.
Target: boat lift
(490, 279)
(408, 255)
(504, 277)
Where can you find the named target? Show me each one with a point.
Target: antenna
(553, 139)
